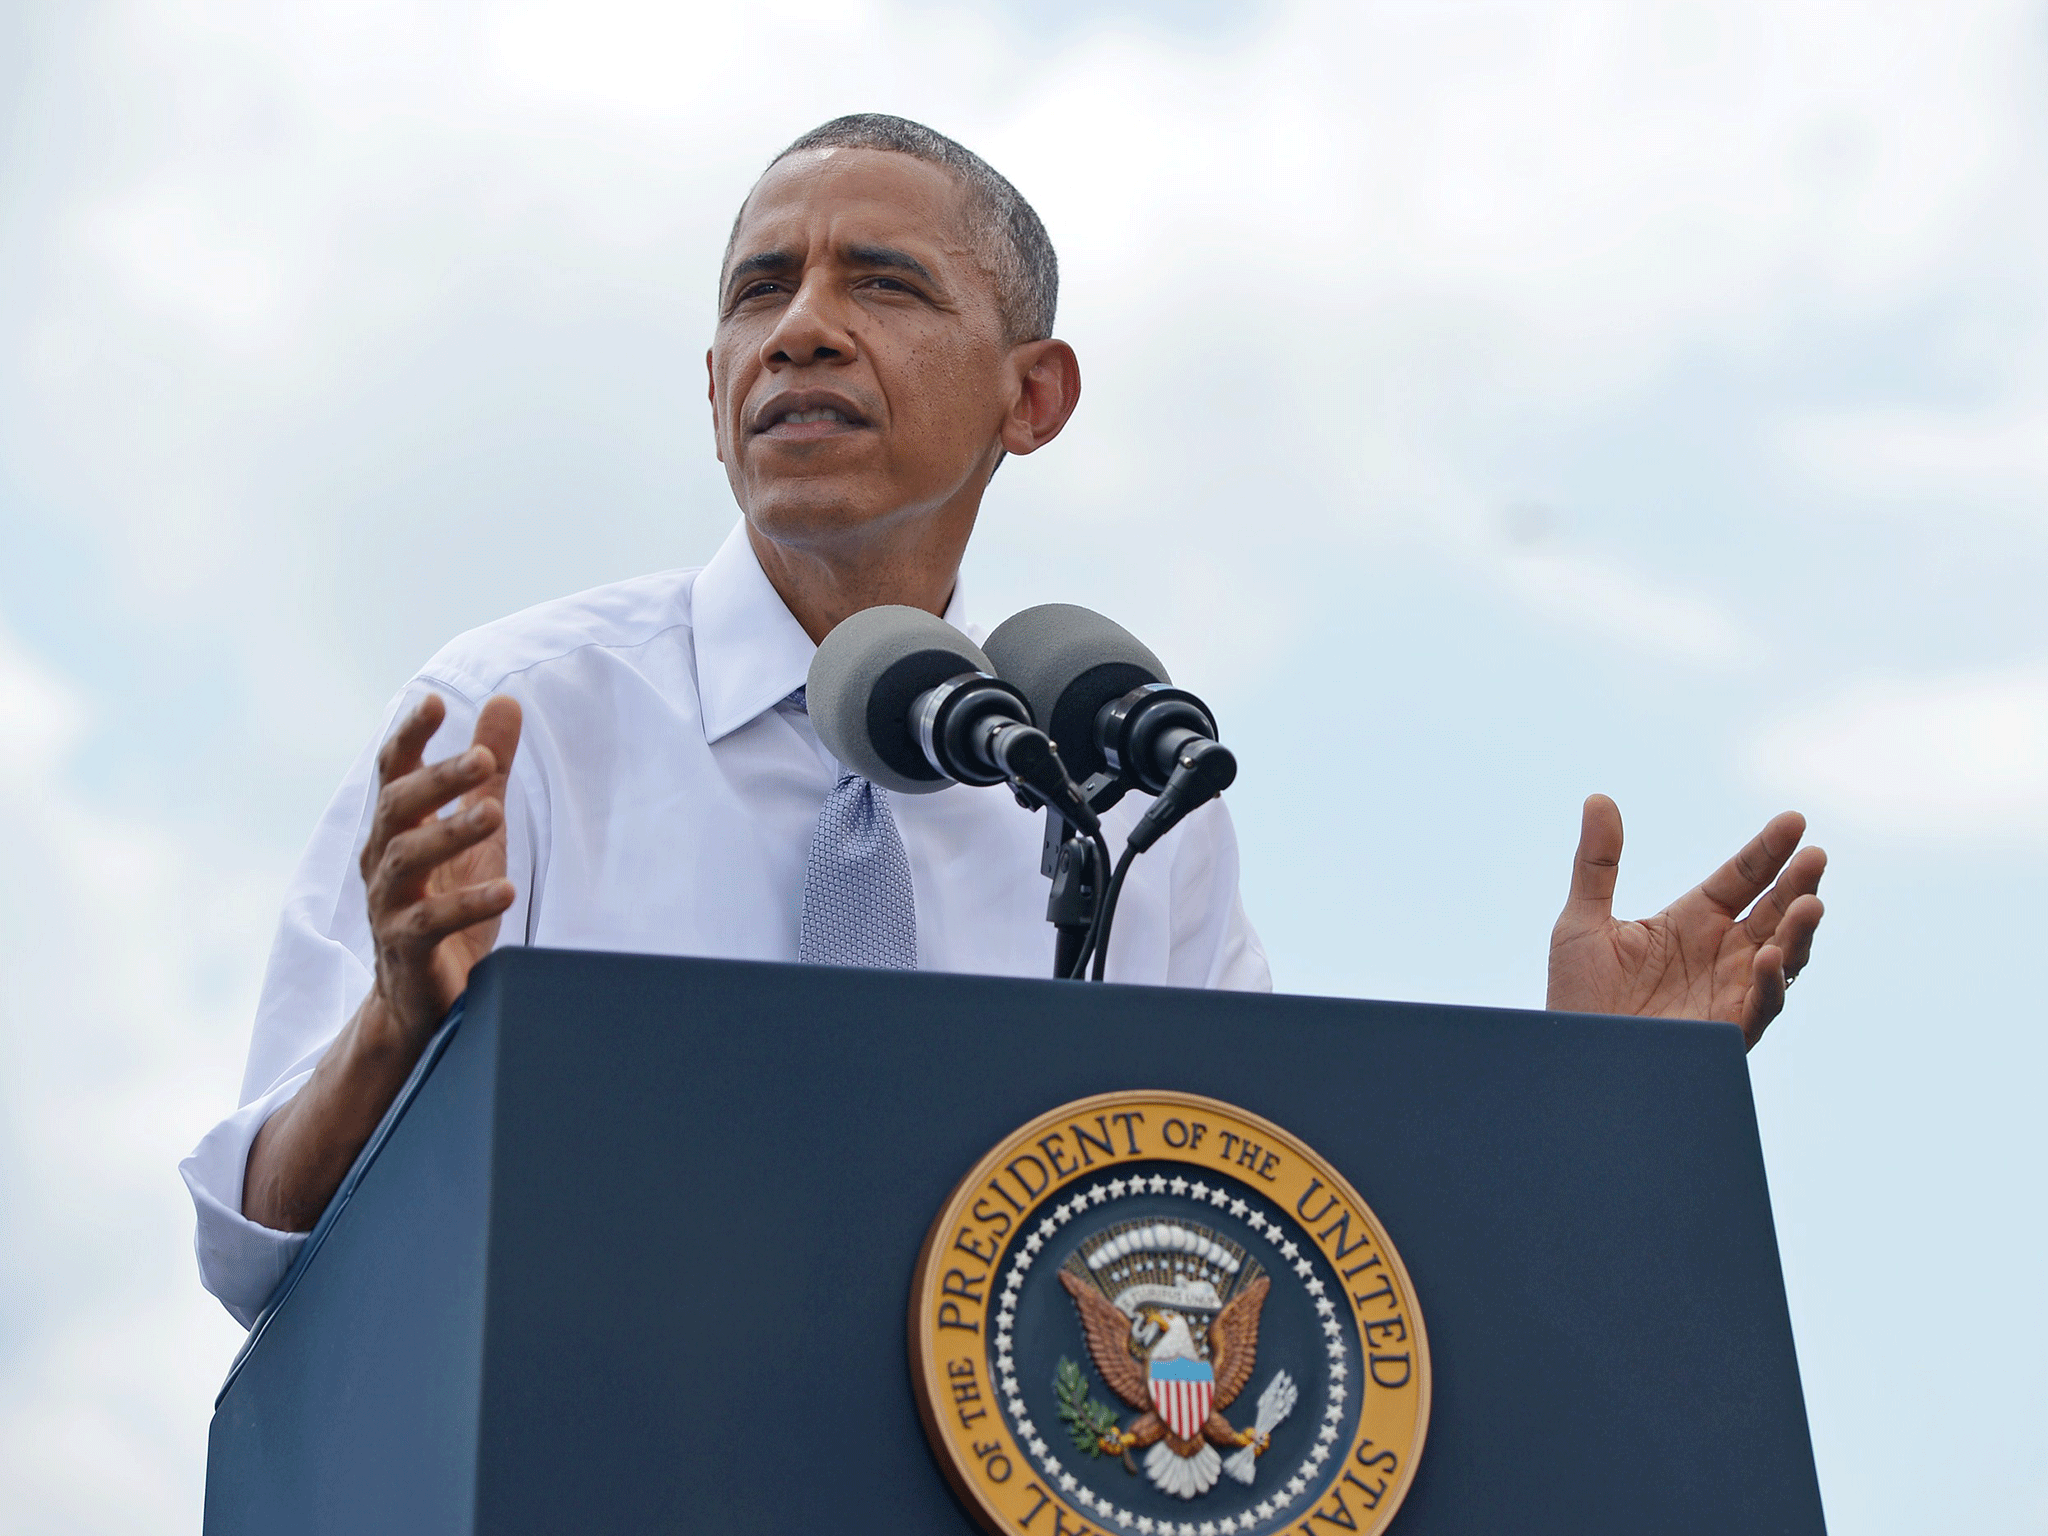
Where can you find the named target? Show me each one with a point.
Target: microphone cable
(1203, 769)
(1096, 946)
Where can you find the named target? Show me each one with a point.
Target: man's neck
(822, 586)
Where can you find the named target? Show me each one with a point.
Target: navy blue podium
(633, 1250)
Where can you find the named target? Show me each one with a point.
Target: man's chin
(817, 509)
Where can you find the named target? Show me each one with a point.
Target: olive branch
(1088, 1421)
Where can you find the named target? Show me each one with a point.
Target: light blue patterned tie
(859, 908)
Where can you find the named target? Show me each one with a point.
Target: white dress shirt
(662, 802)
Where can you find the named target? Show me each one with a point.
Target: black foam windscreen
(863, 681)
(1068, 662)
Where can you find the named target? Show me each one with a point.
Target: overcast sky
(1526, 399)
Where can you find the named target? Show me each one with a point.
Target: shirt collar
(751, 652)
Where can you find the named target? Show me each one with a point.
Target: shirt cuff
(240, 1262)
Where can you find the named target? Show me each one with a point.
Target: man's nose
(812, 330)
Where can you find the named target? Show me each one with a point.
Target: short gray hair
(1019, 251)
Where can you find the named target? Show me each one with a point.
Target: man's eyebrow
(763, 261)
(890, 258)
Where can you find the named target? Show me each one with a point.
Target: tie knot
(800, 698)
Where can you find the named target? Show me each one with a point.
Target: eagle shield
(1182, 1391)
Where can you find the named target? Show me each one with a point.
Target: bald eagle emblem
(1170, 1312)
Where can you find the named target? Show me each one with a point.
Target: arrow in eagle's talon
(1275, 1404)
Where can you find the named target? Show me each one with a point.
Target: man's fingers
(497, 732)
(1743, 878)
(1598, 861)
(1795, 935)
(401, 751)
(410, 857)
(1766, 992)
(406, 802)
(1775, 965)
(427, 922)
(410, 793)
(1801, 878)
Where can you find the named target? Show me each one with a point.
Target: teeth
(822, 413)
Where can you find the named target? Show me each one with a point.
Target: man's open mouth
(807, 418)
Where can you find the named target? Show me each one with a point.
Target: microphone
(1163, 745)
(1070, 662)
(1112, 710)
(908, 702)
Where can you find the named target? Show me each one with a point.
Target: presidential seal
(1157, 1314)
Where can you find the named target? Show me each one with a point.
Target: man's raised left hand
(1702, 957)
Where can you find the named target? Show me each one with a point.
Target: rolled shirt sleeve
(240, 1262)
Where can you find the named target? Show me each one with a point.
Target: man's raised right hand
(436, 888)
(436, 884)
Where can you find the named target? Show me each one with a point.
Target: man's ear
(711, 394)
(1048, 388)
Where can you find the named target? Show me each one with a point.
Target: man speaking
(633, 769)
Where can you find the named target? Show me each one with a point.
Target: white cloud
(1383, 214)
(40, 720)
(1961, 757)
(1996, 457)
(659, 64)
(121, 1044)
(169, 250)
(1607, 599)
